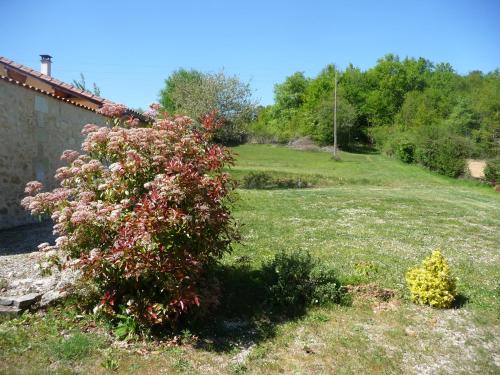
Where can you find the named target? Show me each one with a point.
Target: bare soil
(476, 167)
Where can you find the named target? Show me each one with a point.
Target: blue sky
(129, 47)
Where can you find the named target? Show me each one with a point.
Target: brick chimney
(46, 65)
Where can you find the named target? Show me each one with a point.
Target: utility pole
(335, 117)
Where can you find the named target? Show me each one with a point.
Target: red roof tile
(55, 82)
(4, 78)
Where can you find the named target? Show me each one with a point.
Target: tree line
(412, 109)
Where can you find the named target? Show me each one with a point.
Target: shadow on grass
(460, 301)
(361, 148)
(250, 306)
(244, 316)
(273, 181)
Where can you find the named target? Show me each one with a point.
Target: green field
(368, 208)
(368, 217)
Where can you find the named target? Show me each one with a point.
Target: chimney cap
(46, 57)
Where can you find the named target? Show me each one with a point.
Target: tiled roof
(4, 78)
(55, 82)
(60, 84)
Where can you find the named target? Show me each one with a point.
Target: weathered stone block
(6, 301)
(10, 311)
(50, 297)
(25, 301)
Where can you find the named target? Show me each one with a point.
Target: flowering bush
(432, 284)
(142, 212)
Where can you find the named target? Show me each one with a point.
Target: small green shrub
(127, 327)
(326, 286)
(296, 280)
(289, 274)
(492, 171)
(406, 151)
(451, 156)
(443, 153)
(257, 180)
(432, 284)
(266, 181)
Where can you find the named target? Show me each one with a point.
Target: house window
(41, 104)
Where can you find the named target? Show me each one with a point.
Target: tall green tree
(195, 94)
(177, 89)
(291, 93)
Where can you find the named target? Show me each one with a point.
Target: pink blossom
(116, 168)
(82, 216)
(74, 170)
(132, 122)
(26, 201)
(89, 128)
(63, 173)
(99, 136)
(155, 106)
(58, 229)
(43, 246)
(183, 120)
(59, 195)
(35, 207)
(62, 241)
(92, 166)
(115, 214)
(112, 110)
(134, 158)
(33, 187)
(65, 214)
(152, 113)
(86, 196)
(69, 155)
(94, 253)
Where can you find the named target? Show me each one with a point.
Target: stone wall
(34, 131)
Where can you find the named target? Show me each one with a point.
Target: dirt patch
(371, 292)
(380, 299)
(304, 144)
(476, 168)
(307, 144)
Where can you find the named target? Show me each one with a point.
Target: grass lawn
(370, 218)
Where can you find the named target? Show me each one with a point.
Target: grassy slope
(366, 209)
(372, 209)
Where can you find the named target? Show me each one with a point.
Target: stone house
(40, 117)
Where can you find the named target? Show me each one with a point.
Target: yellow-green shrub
(432, 284)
